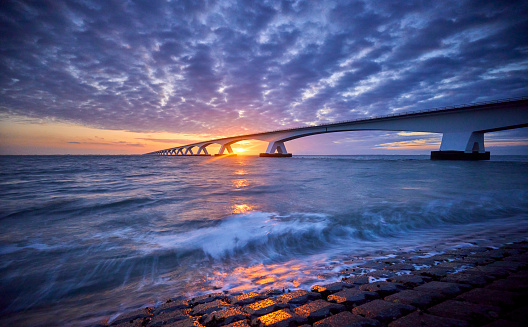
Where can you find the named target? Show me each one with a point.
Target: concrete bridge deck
(463, 128)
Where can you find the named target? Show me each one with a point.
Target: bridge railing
(461, 106)
(436, 109)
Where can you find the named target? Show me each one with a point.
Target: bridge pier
(276, 149)
(225, 147)
(462, 146)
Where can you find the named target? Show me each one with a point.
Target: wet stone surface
(466, 277)
(443, 288)
(226, 316)
(262, 307)
(382, 288)
(347, 319)
(417, 319)
(168, 317)
(298, 297)
(383, 311)
(318, 309)
(246, 298)
(484, 287)
(281, 318)
(415, 298)
(409, 280)
(206, 308)
(352, 297)
(470, 312)
(328, 289)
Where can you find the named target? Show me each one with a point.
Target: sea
(86, 238)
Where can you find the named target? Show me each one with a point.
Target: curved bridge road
(463, 128)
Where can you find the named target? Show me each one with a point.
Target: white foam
(237, 231)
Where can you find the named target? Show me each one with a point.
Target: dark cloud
(221, 66)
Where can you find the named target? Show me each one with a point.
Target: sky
(131, 77)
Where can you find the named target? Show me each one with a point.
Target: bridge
(463, 128)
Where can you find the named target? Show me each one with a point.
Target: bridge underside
(462, 129)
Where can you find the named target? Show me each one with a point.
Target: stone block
(132, 323)
(475, 260)
(383, 311)
(133, 315)
(435, 272)
(415, 298)
(272, 292)
(496, 272)
(419, 318)
(298, 297)
(381, 274)
(206, 298)
(487, 296)
(262, 307)
(226, 316)
(510, 284)
(209, 307)
(246, 298)
(422, 261)
(188, 322)
(328, 289)
(172, 306)
(518, 315)
(494, 254)
(352, 297)
(409, 280)
(240, 323)
(475, 314)
(508, 265)
(523, 257)
(400, 267)
(444, 288)
(382, 288)
(442, 257)
(391, 261)
(280, 318)
(504, 323)
(455, 265)
(167, 317)
(373, 265)
(471, 278)
(347, 319)
(356, 280)
(318, 309)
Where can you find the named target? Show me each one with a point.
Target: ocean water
(84, 238)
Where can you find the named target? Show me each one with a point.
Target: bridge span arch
(462, 128)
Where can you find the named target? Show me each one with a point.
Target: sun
(239, 150)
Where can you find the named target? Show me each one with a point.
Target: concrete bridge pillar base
(225, 155)
(276, 149)
(459, 155)
(278, 155)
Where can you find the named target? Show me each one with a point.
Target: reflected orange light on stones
(274, 317)
(272, 276)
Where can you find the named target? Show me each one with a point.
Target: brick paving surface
(466, 287)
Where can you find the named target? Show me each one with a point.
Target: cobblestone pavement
(465, 287)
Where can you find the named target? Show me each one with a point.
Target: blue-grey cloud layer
(205, 66)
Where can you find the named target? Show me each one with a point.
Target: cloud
(121, 143)
(244, 66)
(426, 144)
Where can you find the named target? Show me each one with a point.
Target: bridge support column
(462, 146)
(225, 147)
(276, 149)
(189, 150)
(202, 149)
